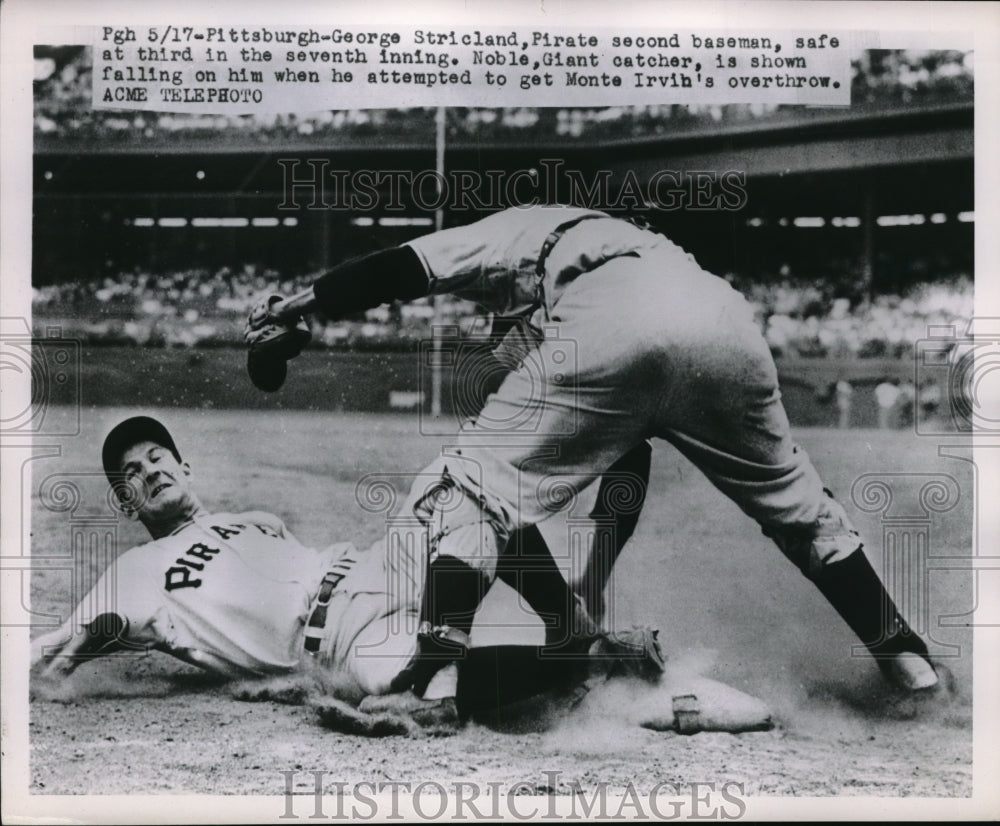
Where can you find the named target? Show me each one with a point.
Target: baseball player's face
(161, 484)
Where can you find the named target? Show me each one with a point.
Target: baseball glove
(272, 341)
(634, 653)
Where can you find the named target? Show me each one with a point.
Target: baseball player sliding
(662, 349)
(238, 595)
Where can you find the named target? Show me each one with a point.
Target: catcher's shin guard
(497, 676)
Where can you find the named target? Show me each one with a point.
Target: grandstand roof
(915, 159)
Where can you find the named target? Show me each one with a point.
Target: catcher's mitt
(272, 341)
(635, 652)
(630, 654)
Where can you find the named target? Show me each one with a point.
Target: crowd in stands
(801, 321)
(198, 307)
(201, 308)
(881, 79)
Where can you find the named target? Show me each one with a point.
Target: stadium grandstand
(849, 229)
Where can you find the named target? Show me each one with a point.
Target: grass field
(728, 604)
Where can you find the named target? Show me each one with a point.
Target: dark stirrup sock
(854, 589)
(496, 676)
(452, 593)
(527, 566)
(620, 499)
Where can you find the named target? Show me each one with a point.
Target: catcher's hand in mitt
(272, 341)
(634, 653)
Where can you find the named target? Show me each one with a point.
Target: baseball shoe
(911, 674)
(915, 692)
(632, 654)
(435, 717)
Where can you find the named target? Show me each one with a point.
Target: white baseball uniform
(233, 593)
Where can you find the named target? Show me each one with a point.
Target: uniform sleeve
(366, 282)
(124, 589)
(456, 259)
(492, 261)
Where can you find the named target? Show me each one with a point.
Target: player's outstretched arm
(276, 331)
(395, 274)
(47, 649)
(59, 653)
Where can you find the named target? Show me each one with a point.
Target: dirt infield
(728, 604)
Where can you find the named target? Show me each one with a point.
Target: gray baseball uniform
(624, 337)
(634, 340)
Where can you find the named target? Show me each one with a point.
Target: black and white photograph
(532, 412)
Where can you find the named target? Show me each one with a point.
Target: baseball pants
(645, 345)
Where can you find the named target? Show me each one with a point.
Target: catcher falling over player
(236, 594)
(662, 349)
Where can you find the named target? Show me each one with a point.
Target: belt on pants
(553, 238)
(316, 624)
(550, 241)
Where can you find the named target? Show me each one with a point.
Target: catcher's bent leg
(830, 553)
(498, 676)
(462, 564)
(742, 442)
(464, 560)
(495, 677)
